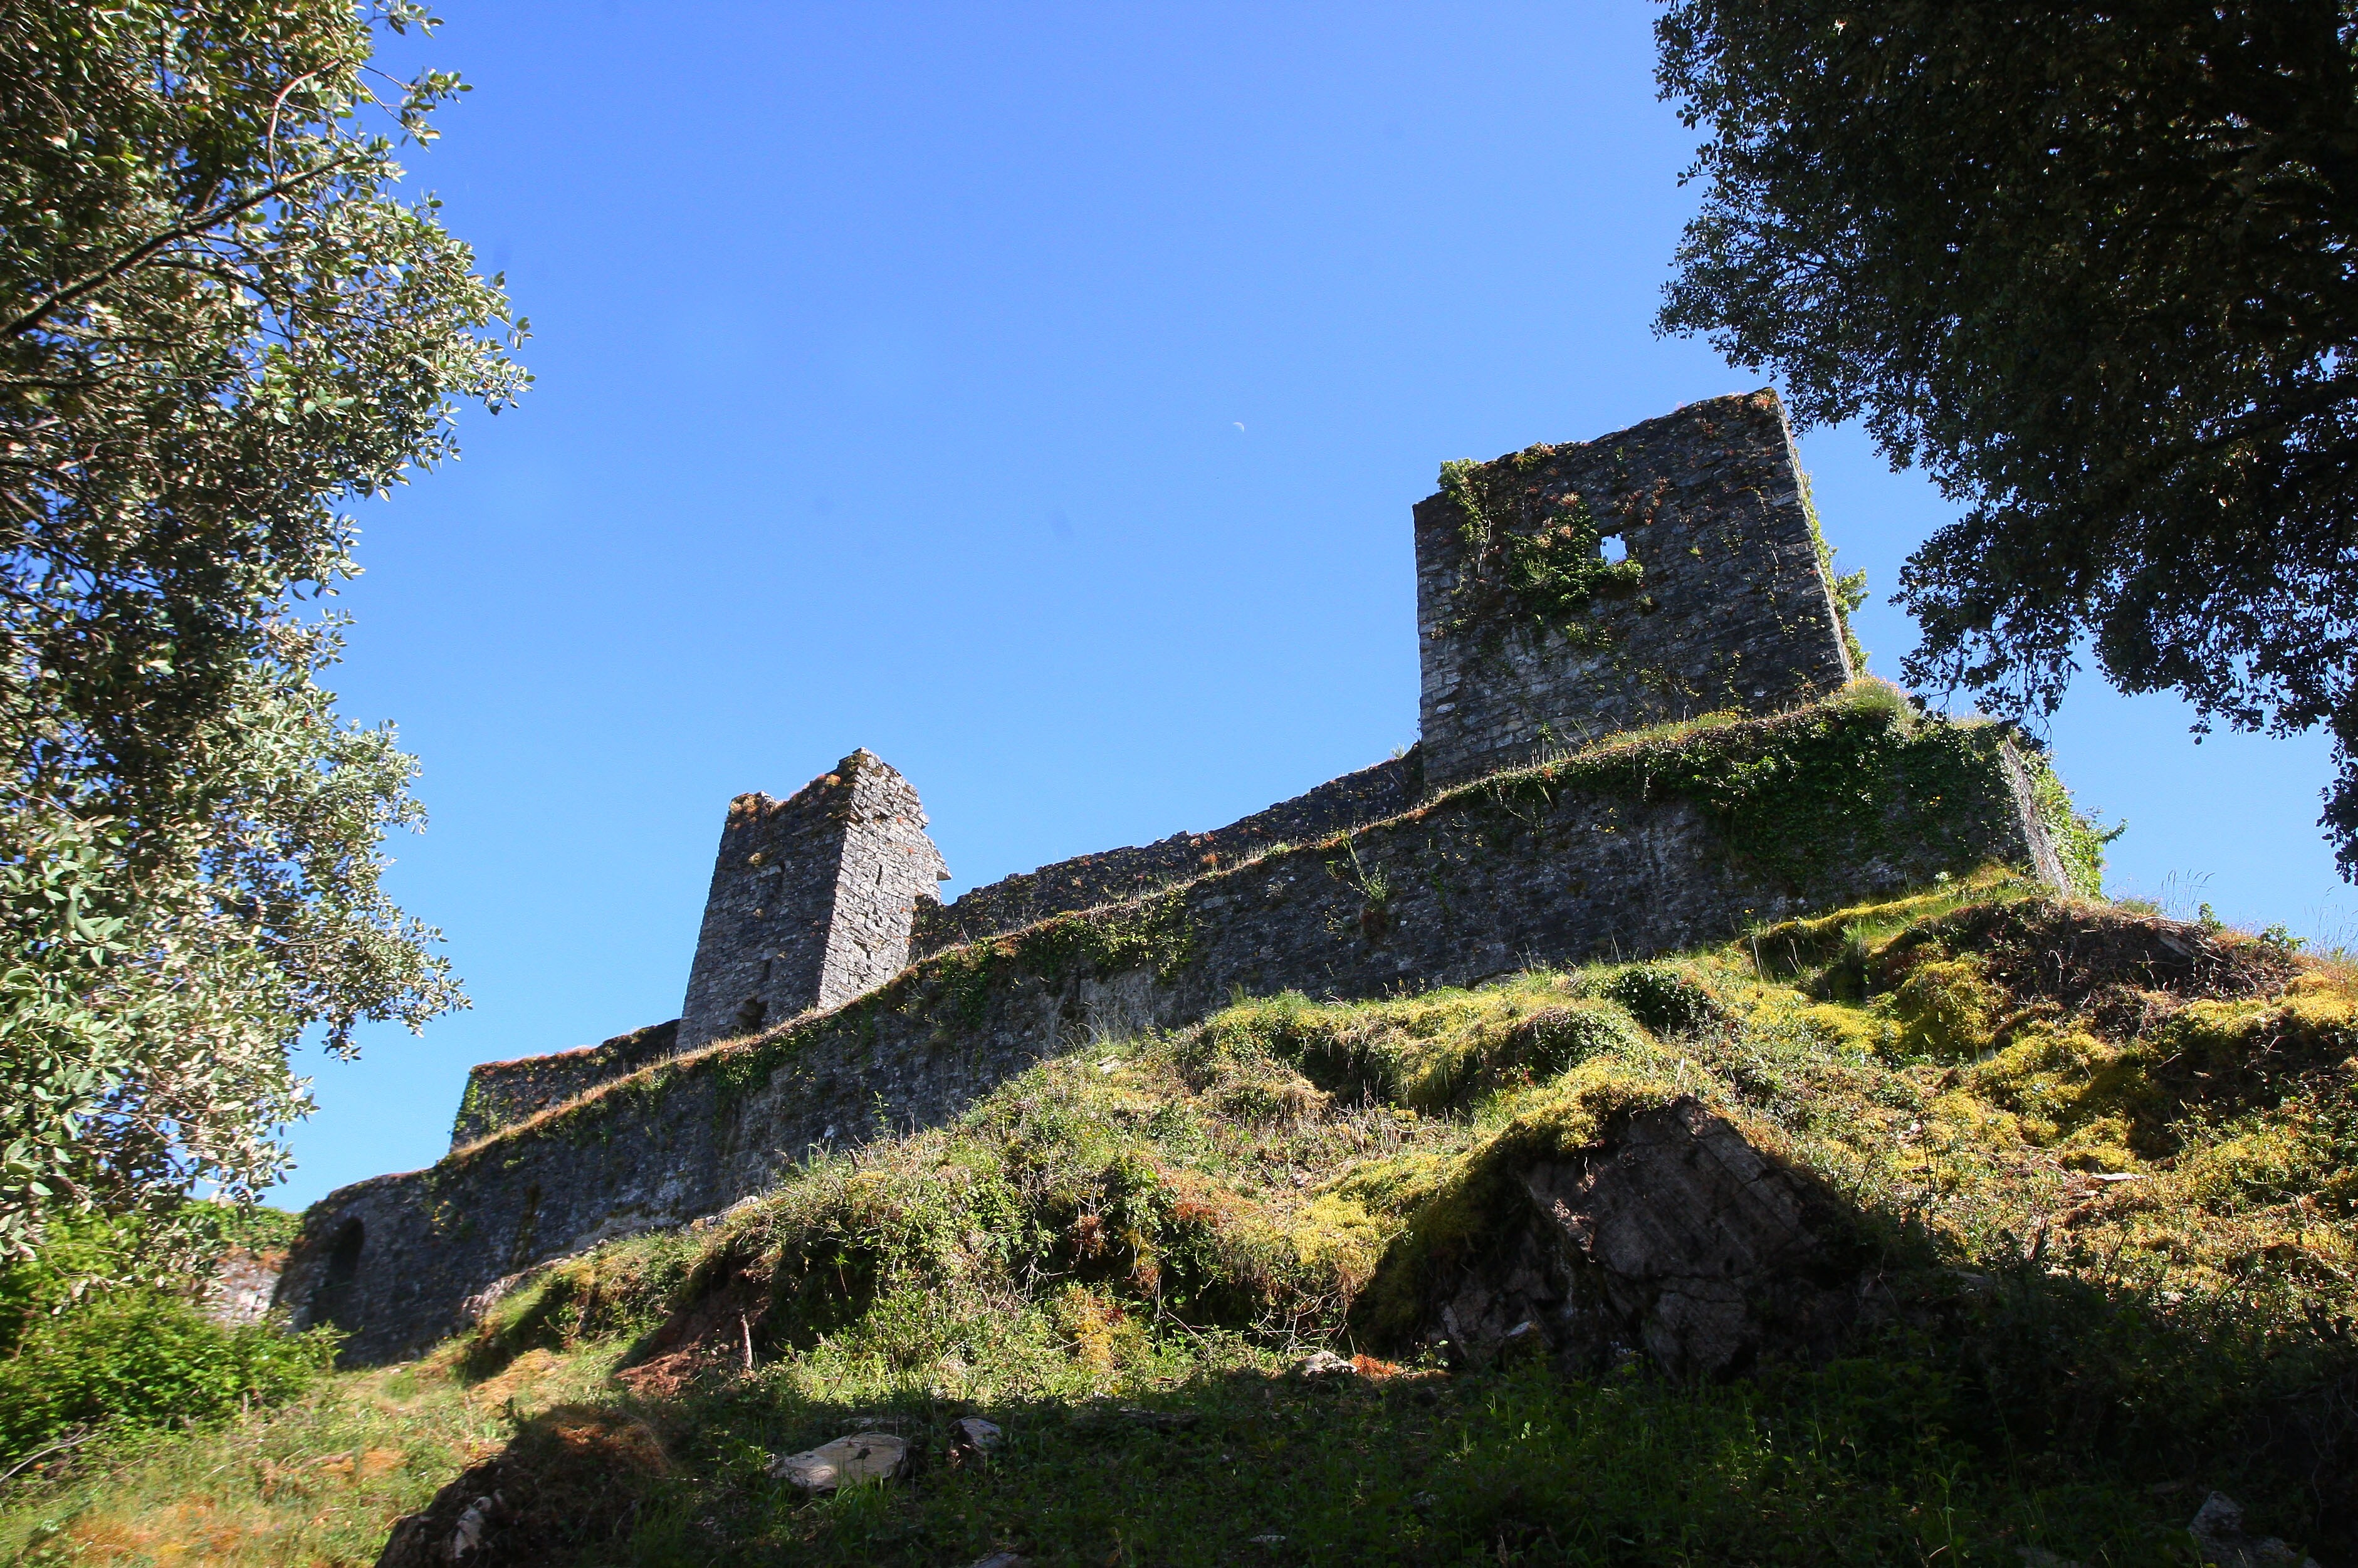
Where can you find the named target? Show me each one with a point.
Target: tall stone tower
(811, 899)
(1660, 572)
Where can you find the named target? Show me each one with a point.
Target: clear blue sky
(1036, 396)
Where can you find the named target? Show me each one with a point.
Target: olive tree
(221, 324)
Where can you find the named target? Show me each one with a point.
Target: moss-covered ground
(2102, 1161)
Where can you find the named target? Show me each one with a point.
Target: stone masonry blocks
(1112, 876)
(1732, 608)
(812, 902)
(888, 869)
(502, 1094)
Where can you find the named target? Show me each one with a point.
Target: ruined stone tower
(1533, 636)
(811, 899)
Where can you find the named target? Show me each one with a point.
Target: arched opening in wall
(749, 1014)
(331, 1298)
(1614, 549)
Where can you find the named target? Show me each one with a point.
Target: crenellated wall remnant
(813, 900)
(501, 1093)
(1533, 638)
(1117, 876)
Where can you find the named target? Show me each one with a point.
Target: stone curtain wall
(811, 899)
(1730, 609)
(501, 1093)
(751, 905)
(1115, 876)
(1632, 850)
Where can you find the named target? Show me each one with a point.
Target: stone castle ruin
(1531, 637)
(813, 900)
(1565, 595)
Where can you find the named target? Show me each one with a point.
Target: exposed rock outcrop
(572, 1475)
(1675, 1238)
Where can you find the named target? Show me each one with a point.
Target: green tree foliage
(2092, 266)
(219, 324)
(75, 1356)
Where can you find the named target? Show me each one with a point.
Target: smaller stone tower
(813, 898)
(1661, 572)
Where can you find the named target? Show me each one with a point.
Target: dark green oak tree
(2090, 265)
(221, 322)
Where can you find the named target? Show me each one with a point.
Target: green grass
(1169, 1222)
(320, 1479)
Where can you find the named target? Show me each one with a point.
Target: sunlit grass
(2117, 1228)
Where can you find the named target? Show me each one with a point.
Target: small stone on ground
(863, 1457)
(975, 1437)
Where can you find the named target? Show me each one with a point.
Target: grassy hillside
(2094, 1170)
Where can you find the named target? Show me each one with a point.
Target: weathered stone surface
(846, 1462)
(242, 1286)
(812, 902)
(501, 1093)
(974, 1440)
(745, 912)
(1676, 1238)
(468, 1538)
(1117, 876)
(1486, 879)
(1733, 610)
(418, 1540)
(2221, 1540)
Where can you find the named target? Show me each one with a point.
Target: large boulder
(1673, 1237)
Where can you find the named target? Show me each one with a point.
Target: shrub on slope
(83, 1346)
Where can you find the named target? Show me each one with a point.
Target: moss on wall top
(1859, 777)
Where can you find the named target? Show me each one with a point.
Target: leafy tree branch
(2093, 266)
(223, 323)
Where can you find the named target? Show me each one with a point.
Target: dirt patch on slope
(2118, 968)
(569, 1480)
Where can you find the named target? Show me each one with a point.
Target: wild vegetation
(98, 1341)
(1551, 569)
(221, 322)
(2085, 264)
(2099, 1161)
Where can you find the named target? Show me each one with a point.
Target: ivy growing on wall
(1801, 795)
(1848, 589)
(1543, 573)
(2079, 839)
